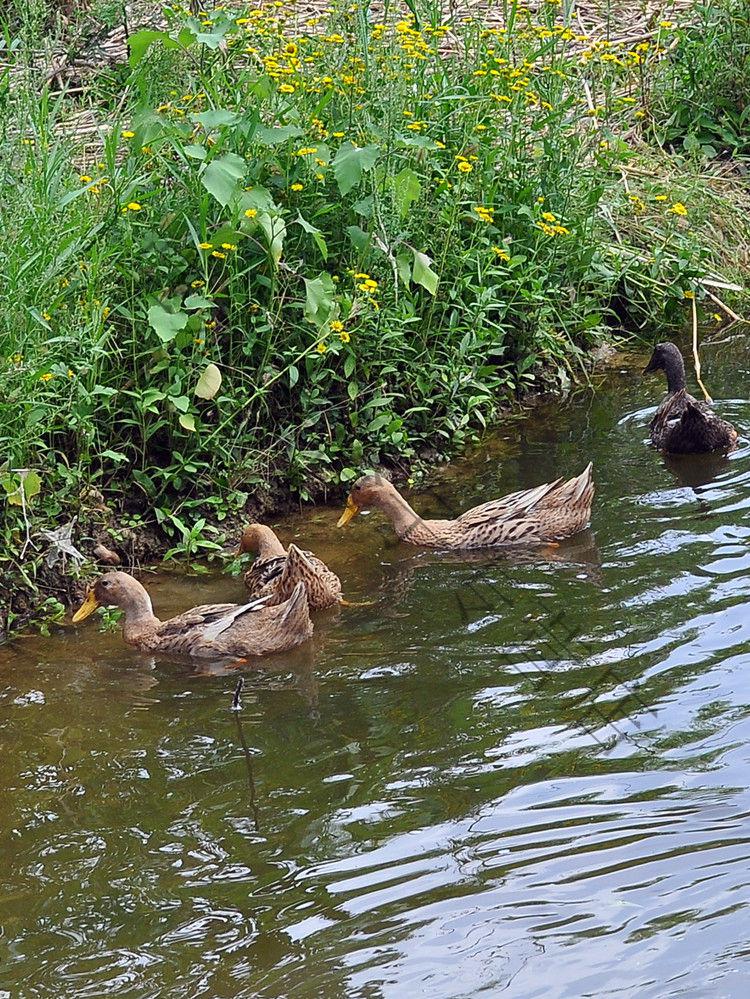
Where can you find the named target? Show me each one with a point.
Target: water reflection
(521, 773)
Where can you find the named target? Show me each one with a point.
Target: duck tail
(584, 485)
(295, 615)
(297, 569)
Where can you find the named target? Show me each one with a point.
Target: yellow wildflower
(296, 187)
(229, 246)
(465, 167)
(250, 213)
(678, 208)
(219, 255)
(321, 348)
(206, 246)
(127, 134)
(500, 253)
(46, 377)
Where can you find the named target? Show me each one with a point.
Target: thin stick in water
(237, 696)
(696, 358)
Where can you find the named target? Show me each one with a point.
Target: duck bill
(349, 513)
(86, 609)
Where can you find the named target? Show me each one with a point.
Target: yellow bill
(349, 513)
(87, 608)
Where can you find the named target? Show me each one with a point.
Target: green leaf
(406, 190)
(187, 420)
(141, 42)
(316, 234)
(360, 239)
(319, 299)
(403, 265)
(215, 118)
(22, 487)
(423, 274)
(166, 324)
(258, 198)
(196, 152)
(209, 382)
(349, 163)
(275, 231)
(277, 134)
(198, 302)
(222, 177)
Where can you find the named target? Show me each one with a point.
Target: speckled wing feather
(511, 507)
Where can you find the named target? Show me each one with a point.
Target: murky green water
(525, 776)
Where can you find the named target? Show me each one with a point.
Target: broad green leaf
(259, 198)
(187, 420)
(209, 382)
(21, 487)
(406, 190)
(141, 42)
(181, 403)
(275, 231)
(349, 163)
(222, 177)
(198, 302)
(277, 134)
(403, 264)
(166, 324)
(195, 151)
(215, 118)
(319, 299)
(359, 238)
(423, 274)
(316, 234)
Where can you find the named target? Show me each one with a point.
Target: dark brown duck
(682, 425)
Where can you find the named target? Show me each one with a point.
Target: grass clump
(301, 249)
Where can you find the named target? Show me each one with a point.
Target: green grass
(301, 252)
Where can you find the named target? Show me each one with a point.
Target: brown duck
(682, 425)
(276, 570)
(211, 630)
(548, 512)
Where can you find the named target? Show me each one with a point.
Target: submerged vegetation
(299, 247)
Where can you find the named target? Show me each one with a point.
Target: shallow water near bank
(524, 773)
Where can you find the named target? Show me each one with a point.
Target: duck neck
(674, 369)
(269, 545)
(403, 518)
(139, 617)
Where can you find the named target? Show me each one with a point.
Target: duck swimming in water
(210, 630)
(682, 425)
(549, 512)
(276, 570)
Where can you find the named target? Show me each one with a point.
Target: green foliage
(702, 91)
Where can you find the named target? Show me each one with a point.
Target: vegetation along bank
(258, 249)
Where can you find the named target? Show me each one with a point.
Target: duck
(276, 570)
(548, 513)
(682, 424)
(211, 630)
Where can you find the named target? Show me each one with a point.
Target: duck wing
(514, 506)
(205, 621)
(683, 425)
(323, 586)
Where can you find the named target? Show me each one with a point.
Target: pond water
(518, 774)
